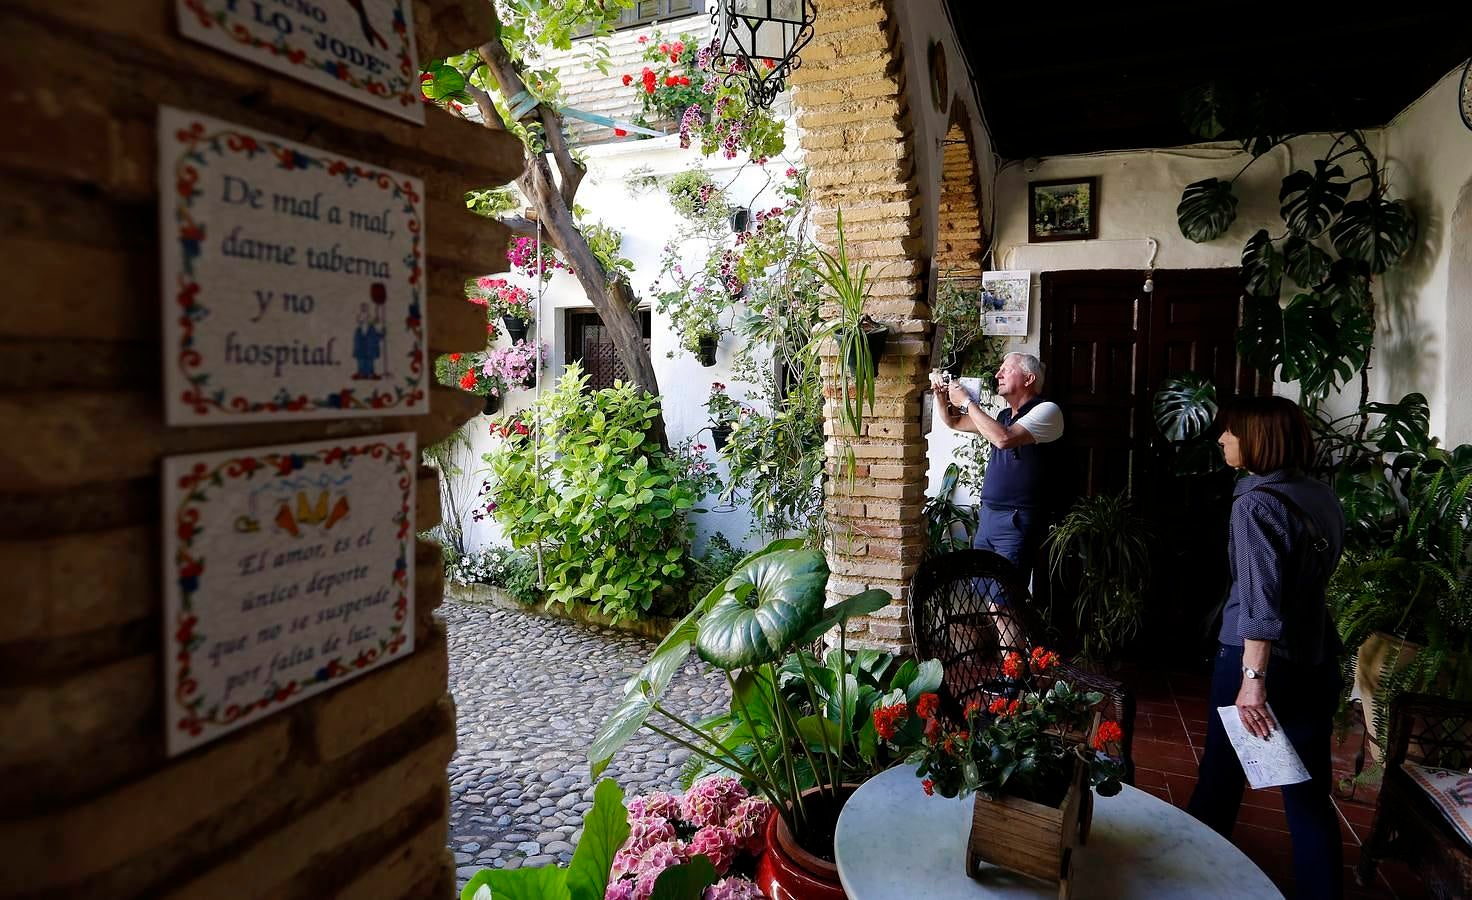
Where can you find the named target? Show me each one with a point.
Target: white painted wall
(648, 221)
(1426, 321)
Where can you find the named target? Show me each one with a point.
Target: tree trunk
(614, 301)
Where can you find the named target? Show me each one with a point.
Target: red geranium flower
(454, 357)
(628, 79)
(643, 38)
(467, 381)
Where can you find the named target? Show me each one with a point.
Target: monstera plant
(770, 606)
(1323, 260)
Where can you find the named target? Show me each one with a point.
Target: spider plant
(1105, 546)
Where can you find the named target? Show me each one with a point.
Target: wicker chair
(1434, 732)
(968, 609)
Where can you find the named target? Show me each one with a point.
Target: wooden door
(589, 345)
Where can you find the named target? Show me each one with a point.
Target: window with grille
(647, 11)
(589, 345)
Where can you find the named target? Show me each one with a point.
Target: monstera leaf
(1311, 202)
(1207, 209)
(1404, 426)
(1347, 289)
(1375, 231)
(1262, 265)
(1304, 342)
(1185, 407)
(769, 604)
(1305, 263)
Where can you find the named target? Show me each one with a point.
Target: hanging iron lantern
(758, 41)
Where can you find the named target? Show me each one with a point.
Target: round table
(895, 842)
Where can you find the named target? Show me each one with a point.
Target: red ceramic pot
(788, 872)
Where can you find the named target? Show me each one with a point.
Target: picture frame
(1063, 209)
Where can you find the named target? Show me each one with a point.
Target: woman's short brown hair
(1272, 433)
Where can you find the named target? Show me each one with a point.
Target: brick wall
(858, 140)
(961, 231)
(344, 792)
(592, 91)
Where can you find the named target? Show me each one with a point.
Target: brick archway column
(859, 146)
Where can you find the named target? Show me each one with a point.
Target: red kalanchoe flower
(932, 730)
(1043, 660)
(927, 705)
(1013, 707)
(972, 708)
(886, 717)
(1108, 733)
(1012, 665)
(929, 787)
(628, 79)
(998, 706)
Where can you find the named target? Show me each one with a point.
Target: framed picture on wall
(1065, 209)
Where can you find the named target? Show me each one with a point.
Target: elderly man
(1017, 493)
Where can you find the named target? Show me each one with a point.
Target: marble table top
(893, 843)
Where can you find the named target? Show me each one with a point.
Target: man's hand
(1252, 706)
(959, 396)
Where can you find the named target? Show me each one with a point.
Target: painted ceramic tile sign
(288, 570)
(361, 49)
(293, 280)
(1004, 302)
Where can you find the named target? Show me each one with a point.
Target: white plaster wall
(648, 221)
(1426, 312)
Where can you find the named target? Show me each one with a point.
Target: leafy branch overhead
(1338, 233)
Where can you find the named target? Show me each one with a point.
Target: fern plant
(1102, 547)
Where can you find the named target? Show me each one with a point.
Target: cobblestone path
(529, 694)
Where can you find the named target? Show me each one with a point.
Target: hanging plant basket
(708, 351)
(740, 219)
(529, 381)
(515, 328)
(877, 335)
(492, 404)
(720, 434)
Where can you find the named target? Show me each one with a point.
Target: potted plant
(1032, 757)
(517, 364)
(1102, 550)
(706, 347)
(510, 303)
(861, 340)
(770, 606)
(466, 371)
(725, 412)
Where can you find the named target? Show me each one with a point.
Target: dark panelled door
(1108, 346)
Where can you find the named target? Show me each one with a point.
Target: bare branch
(490, 117)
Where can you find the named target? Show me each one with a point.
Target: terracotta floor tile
(1149, 778)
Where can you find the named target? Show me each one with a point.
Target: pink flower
(747, 821)
(734, 888)
(655, 860)
(643, 38)
(791, 172)
(643, 834)
(719, 845)
(658, 805)
(710, 800)
(623, 889)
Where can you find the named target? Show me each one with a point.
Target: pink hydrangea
(748, 820)
(658, 805)
(655, 860)
(643, 834)
(719, 845)
(619, 890)
(710, 800)
(734, 888)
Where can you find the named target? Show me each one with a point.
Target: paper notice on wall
(1004, 302)
(288, 570)
(293, 279)
(1267, 762)
(361, 49)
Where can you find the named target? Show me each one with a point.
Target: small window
(646, 11)
(589, 345)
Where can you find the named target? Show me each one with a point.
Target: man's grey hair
(1031, 365)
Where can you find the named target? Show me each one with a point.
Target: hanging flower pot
(708, 351)
(515, 328)
(492, 405)
(720, 434)
(740, 219)
(529, 382)
(877, 335)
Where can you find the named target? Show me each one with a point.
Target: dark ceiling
(1056, 80)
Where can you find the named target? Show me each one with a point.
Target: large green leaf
(858, 605)
(1207, 209)
(815, 730)
(769, 604)
(686, 881)
(541, 883)
(445, 83)
(1185, 407)
(623, 723)
(1305, 263)
(1262, 265)
(1347, 289)
(1311, 202)
(1305, 342)
(927, 679)
(1404, 426)
(605, 828)
(1375, 231)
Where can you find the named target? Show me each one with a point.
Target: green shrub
(608, 506)
(521, 578)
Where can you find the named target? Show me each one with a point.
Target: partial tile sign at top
(293, 279)
(361, 49)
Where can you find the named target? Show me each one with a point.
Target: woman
(1279, 647)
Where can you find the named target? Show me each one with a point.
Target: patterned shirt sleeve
(1260, 547)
